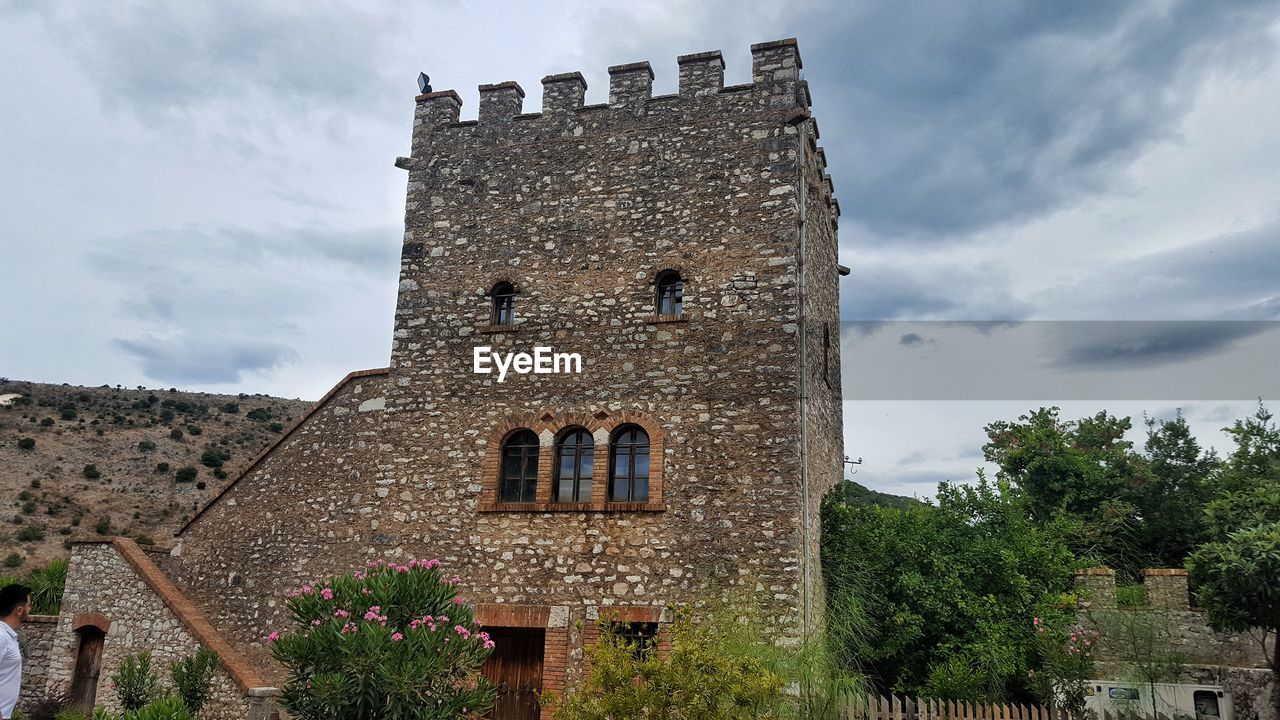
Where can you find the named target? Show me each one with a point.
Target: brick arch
(548, 420)
(90, 619)
(515, 286)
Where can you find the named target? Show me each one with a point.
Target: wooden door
(84, 684)
(516, 667)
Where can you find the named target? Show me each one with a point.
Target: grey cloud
(1129, 345)
(184, 359)
(967, 116)
(910, 340)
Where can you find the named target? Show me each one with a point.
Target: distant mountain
(857, 494)
(73, 457)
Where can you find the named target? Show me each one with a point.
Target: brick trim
(191, 617)
(556, 423)
(90, 619)
(266, 452)
(555, 644)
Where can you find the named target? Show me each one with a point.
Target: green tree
(1171, 503)
(951, 589)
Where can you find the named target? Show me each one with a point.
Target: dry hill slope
(73, 457)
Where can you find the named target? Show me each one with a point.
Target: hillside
(858, 494)
(118, 461)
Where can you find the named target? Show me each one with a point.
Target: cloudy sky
(201, 194)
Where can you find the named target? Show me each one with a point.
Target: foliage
(31, 533)
(92, 472)
(186, 474)
(1143, 640)
(193, 678)
(230, 408)
(47, 585)
(103, 526)
(388, 642)
(716, 669)
(134, 682)
(1066, 667)
(260, 414)
(26, 443)
(214, 457)
(175, 434)
(853, 493)
(44, 705)
(950, 590)
(1131, 596)
(146, 446)
(164, 707)
(14, 560)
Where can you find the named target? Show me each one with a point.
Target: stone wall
(36, 638)
(579, 207)
(1237, 662)
(115, 584)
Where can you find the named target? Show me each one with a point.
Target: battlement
(1166, 587)
(775, 85)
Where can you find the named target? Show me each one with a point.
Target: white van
(1118, 700)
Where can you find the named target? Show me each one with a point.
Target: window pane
(640, 490)
(642, 465)
(621, 462)
(618, 490)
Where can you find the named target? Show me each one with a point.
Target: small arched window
(575, 460)
(518, 475)
(503, 296)
(670, 299)
(629, 465)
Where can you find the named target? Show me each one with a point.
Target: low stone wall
(116, 584)
(36, 638)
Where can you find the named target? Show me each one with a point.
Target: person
(15, 605)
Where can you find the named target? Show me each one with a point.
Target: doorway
(84, 683)
(516, 667)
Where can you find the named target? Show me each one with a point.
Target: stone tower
(683, 249)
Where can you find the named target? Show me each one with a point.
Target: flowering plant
(389, 642)
(1066, 655)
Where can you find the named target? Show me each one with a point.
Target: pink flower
(414, 624)
(489, 645)
(365, 591)
(349, 628)
(371, 615)
(327, 594)
(375, 608)
(340, 613)
(306, 589)
(462, 631)
(273, 637)
(397, 637)
(457, 601)
(315, 623)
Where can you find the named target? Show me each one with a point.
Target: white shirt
(10, 670)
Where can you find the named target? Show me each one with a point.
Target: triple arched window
(573, 473)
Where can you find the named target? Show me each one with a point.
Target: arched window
(575, 458)
(518, 476)
(629, 465)
(503, 296)
(670, 299)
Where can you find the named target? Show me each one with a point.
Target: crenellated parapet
(775, 86)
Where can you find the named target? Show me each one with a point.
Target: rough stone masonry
(579, 209)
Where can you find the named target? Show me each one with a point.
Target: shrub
(134, 682)
(175, 434)
(14, 560)
(31, 533)
(29, 507)
(193, 678)
(144, 539)
(201, 485)
(710, 673)
(26, 443)
(46, 422)
(68, 413)
(186, 474)
(146, 446)
(230, 408)
(214, 457)
(1131, 596)
(92, 472)
(43, 705)
(258, 414)
(162, 467)
(276, 427)
(47, 585)
(103, 526)
(194, 430)
(220, 474)
(35, 482)
(390, 641)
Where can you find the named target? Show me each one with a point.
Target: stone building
(675, 257)
(1168, 625)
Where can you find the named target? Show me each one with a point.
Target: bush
(134, 682)
(186, 474)
(214, 457)
(1131, 596)
(103, 526)
(258, 414)
(200, 485)
(230, 408)
(193, 678)
(220, 474)
(35, 482)
(29, 507)
(14, 560)
(144, 540)
(175, 434)
(710, 673)
(31, 533)
(194, 430)
(276, 427)
(47, 585)
(43, 705)
(162, 467)
(91, 471)
(391, 641)
(68, 413)
(146, 446)
(26, 443)
(46, 422)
